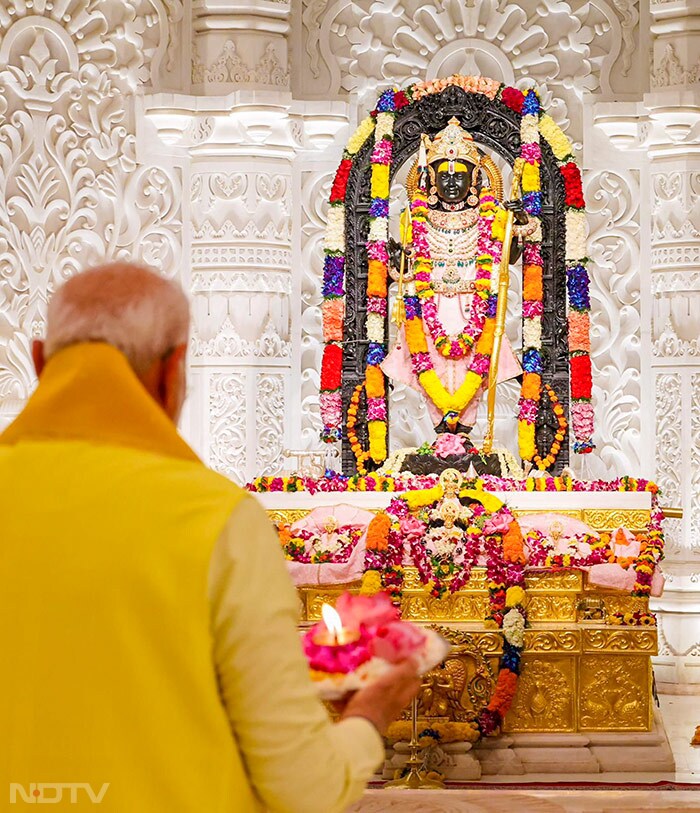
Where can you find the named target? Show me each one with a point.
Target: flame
(332, 620)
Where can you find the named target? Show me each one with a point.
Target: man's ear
(173, 381)
(38, 356)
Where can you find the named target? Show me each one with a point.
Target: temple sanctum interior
(443, 262)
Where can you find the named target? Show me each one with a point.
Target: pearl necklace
(452, 251)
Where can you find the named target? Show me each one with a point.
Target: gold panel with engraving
(548, 607)
(457, 607)
(486, 641)
(615, 693)
(286, 516)
(608, 519)
(545, 700)
(554, 581)
(627, 639)
(462, 685)
(316, 597)
(576, 513)
(621, 603)
(537, 640)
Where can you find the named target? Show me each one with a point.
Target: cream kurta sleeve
(297, 760)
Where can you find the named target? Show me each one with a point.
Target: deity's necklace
(420, 308)
(453, 236)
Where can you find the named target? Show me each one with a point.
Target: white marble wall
(201, 136)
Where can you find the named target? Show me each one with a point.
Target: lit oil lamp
(334, 633)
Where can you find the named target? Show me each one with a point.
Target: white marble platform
(680, 715)
(544, 801)
(522, 755)
(516, 500)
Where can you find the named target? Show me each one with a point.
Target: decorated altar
(539, 579)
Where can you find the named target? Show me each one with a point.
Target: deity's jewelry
(526, 229)
(453, 222)
(432, 197)
(473, 198)
(454, 207)
(452, 144)
(453, 239)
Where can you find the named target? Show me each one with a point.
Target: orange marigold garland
(361, 456)
(378, 532)
(549, 459)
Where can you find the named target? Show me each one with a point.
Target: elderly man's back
(111, 678)
(148, 623)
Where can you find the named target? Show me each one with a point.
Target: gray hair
(129, 306)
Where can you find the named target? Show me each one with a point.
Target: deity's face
(453, 187)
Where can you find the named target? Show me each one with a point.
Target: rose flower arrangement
(361, 639)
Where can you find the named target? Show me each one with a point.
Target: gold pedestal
(576, 675)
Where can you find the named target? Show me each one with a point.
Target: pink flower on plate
(497, 524)
(448, 444)
(366, 611)
(411, 527)
(332, 659)
(398, 641)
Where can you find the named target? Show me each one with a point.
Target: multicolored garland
(491, 530)
(535, 124)
(333, 308)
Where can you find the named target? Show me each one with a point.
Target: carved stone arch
(497, 127)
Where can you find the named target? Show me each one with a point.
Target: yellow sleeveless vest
(107, 675)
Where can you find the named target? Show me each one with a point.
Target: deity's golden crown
(453, 143)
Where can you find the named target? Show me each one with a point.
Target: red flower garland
(340, 182)
(580, 376)
(573, 187)
(332, 367)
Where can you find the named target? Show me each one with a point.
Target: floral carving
(71, 189)
(230, 68)
(269, 422)
(227, 424)
(615, 292)
(669, 455)
(671, 71)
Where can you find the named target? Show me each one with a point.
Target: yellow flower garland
(358, 138)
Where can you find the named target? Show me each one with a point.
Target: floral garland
(339, 483)
(333, 308)
(633, 619)
(457, 345)
(535, 126)
(543, 463)
(377, 273)
(487, 526)
(419, 293)
(542, 550)
(301, 545)
(361, 456)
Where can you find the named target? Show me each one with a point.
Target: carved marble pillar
(244, 142)
(674, 149)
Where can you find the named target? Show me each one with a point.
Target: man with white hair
(151, 659)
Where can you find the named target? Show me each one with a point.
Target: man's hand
(383, 701)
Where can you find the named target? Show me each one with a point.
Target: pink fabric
(543, 522)
(612, 576)
(303, 573)
(615, 576)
